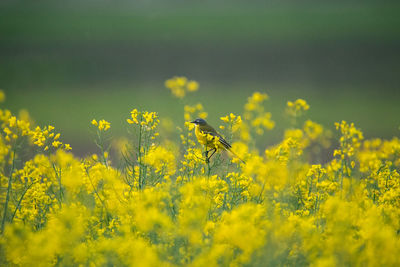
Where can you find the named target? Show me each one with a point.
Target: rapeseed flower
(165, 206)
(2, 96)
(102, 125)
(179, 86)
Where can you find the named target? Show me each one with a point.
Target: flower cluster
(149, 120)
(233, 121)
(14, 128)
(161, 160)
(47, 138)
(194, 112)
(256, 118)
(179, 86)
(164, 205)
(297, 108)
(2, 96)
(102, 125)
(349, 141)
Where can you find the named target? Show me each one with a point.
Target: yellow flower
(259, 97)
(103, 125)
(297, 108)
(2, 96)
(193, 112)
(192, 86)
(180, 85)
(180, 81)
(235, 122)
(161, 159)
(312, 129)
(253, 102)
(134, 117)
(203, 115)
(56, 144)
(225, 119)
(189, 126)
(12, 121)
(67, 147)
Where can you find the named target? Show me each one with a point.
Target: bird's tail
(230, 150)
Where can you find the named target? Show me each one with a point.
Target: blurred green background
(68, 62)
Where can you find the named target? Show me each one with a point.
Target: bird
(206, 135)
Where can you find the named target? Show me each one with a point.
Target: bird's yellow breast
(202, 138)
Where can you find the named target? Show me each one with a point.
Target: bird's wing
(220, 138)
(224, 142)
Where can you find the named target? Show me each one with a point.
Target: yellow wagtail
(208, 136)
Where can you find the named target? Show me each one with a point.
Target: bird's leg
(208, 151)
(206, 155)
(215, 150)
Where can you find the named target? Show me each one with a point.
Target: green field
(202, 22)
(71, 110)
(67, 63)
(149, 192)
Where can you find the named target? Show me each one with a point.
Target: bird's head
(199, 122)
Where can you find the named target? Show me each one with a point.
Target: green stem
(341, 178)
(95, 191)
(260, 198)
(20, 200)
(101, 141)
(140, 155)
(230, 141)
(3, 221)
(207, 161)
(145, 150)
(58, 176)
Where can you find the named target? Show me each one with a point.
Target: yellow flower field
(320, 197)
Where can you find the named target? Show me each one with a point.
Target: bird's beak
(193, 122)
